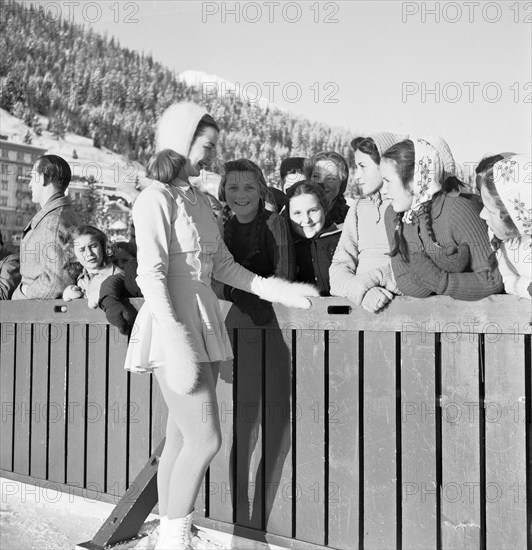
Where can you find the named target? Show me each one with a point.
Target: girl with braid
(439, 244)
(258, 238)
(506, 192)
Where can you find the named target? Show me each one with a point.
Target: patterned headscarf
(427, 176)
(512, 177)
(445, 153)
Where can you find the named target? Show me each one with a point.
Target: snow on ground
(41, 518)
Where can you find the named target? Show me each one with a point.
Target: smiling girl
(439, 244)
(314, 242)
(258, 238)
(505, 188)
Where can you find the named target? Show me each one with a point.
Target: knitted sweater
(314, 256)
(455, 221)
(263, 246)
(363, 246)
(42, 251)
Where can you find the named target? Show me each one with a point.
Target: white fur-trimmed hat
(177, 125)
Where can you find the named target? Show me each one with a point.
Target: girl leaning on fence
(439, 244)
(257, 237)
(181, 333)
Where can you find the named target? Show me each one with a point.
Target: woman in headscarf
(507, 197)
(180, 332)
(438, 242)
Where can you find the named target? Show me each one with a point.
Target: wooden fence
(341, 429)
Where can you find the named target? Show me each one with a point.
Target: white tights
(194, 420)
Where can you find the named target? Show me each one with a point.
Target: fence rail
(410, 428)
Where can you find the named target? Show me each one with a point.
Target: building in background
(16, 208)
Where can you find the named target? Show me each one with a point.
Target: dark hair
(72, 264)
(338, 208)
(206, 122)
(307, 187)
(403, 156)
(165, 165)
(484, 178)
(55, 169)
(367, 146)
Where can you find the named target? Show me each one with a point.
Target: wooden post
(134, 507)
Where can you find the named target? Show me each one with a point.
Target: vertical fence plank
(506, 521)
(460, 441)
(380, 479)
(278, 432)
(249, 430)
(7, 386)
(76, 405)
(343, 489)
(58, 404)
(220, 489)
(39, 401)
(139, 423)
(22, 399)
(96, 407)
(117, 414)
(310, 423)
(418, 429)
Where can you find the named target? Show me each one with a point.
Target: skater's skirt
(197, 307)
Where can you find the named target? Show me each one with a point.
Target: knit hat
(177, 125)
(384, 140)
(291, 163)
(512, 178)
(427, 176)
(445, 153)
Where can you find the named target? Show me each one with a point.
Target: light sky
(379, 60)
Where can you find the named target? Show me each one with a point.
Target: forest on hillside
(88, 84)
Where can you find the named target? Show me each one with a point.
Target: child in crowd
(89, 253)
(314, 242)
(356, 271)
(439, 244)
(331, 171)
(9, 271)
(292, 171)
(257, 238)
(507, 197)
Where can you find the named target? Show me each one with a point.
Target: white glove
(275, 289)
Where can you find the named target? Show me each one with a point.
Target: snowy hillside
(212, 84)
